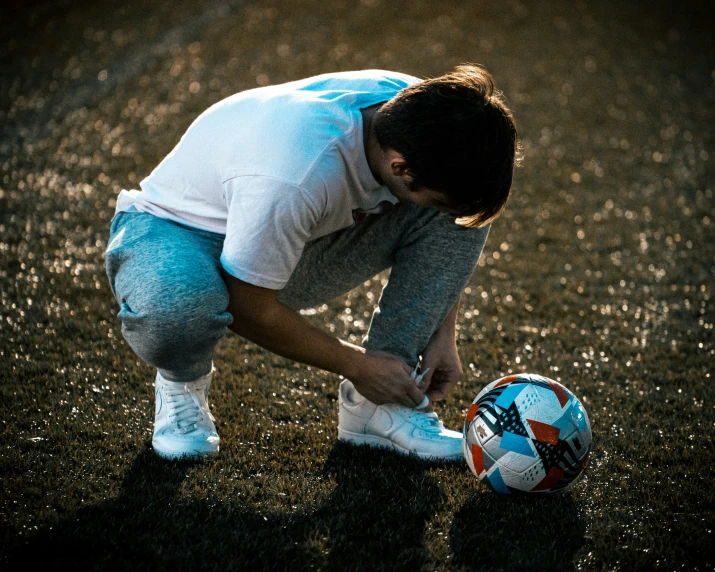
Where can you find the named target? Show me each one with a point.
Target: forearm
(449, 324)
(283, 331)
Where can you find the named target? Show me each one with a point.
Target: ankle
(203, 378)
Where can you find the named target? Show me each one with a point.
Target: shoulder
(359, 85)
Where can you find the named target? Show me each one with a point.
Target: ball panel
(505, 380)
(511, 421)
(477, 459)
(509, 394)
(566, 425)
(485, 426)
(512, 480)
(472, 412)
(560, 392)
(527, 399)
(551, 479)
(494, 448)
(488, 460)
(479, 432)
(517, 444)
(548, 409)
(496, 481)
(543, 431)
(533, 475)
(517, 463)
(465, 451)
(572, 451)
(580, 417)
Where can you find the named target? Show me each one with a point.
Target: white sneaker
(406, 430)
(183, 424)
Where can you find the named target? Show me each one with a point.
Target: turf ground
(599, 274)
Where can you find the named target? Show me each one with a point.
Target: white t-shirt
(273, 168)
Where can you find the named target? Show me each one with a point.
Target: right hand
(384, 378)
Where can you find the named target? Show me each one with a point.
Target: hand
(445, 367)
(384, 378)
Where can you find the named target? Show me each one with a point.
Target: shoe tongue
(430, 420)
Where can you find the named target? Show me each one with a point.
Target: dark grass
(599, 275)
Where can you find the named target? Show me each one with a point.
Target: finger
(414, 396)
(440, 391)
(435, 394)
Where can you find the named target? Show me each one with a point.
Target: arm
(261, 318)
(442, 358)
(450, 322)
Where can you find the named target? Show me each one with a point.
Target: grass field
(599, 274)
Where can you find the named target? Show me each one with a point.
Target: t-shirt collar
(367, 180)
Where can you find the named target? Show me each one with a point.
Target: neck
(370, 143)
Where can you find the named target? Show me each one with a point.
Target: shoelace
(428, 422)
(185, 408)
(418, 379)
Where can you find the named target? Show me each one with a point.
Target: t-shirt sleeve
(269, 222)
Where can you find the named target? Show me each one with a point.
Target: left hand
(445, 367)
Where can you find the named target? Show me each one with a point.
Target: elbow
(250, 305)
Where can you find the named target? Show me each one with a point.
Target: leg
(173, 303)
(431, 258)
(166, 279)
(431, 268)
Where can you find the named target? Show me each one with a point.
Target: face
(396, 177)
(429, 199)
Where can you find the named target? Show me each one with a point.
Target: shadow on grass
(373, 519)
(507, 532)
(378, 510)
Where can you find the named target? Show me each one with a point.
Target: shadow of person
(150, 525)
(374, 518)
(508, 532)
(379, 508)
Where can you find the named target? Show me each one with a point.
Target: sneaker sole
(194, 455)
(381, 442)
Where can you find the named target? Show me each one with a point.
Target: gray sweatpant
(167, 280)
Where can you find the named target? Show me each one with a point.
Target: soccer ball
(526, 434)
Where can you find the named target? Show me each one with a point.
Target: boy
(284, 197)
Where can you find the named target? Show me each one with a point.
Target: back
(283, 132)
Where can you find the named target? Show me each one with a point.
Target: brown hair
(458, 137)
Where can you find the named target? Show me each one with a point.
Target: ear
(398, 165)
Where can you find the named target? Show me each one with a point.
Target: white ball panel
(512, 478)
(516, 462)
(533, 475)
(527, 400)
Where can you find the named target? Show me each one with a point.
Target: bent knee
(165, 338)
(176, 299)
(162, 323)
